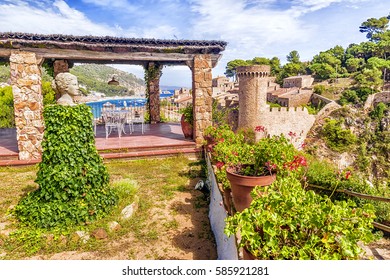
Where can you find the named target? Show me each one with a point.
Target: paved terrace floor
(155, 139)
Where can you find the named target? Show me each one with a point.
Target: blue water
(97, 106)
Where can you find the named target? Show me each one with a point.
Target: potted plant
(267, 157)
(187, 120)
(288, 222)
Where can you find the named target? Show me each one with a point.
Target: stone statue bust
(67, 86)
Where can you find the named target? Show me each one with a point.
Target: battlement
(257, 71)
(289, 109)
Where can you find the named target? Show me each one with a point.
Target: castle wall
(285, 120)
(316, 99)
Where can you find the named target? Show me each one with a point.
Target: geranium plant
(288, 222)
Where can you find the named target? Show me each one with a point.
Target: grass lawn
(170, 222)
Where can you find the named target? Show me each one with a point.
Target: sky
(252, 28)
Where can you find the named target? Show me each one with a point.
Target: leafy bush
(319, 89)
(188, 113)
(379, 111)
(7, 118)
(326, 175)
(337, 138)
(73, 181)
(288, 222)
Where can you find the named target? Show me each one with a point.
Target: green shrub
(188, 113)
(7, 118)
(337, 138)
(73, 181)
(319, 89)
(288, 222)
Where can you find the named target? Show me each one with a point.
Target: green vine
(152, 71)
(73, 181)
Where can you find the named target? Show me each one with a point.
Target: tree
(260, 61)
(373, 26)
(232, 65)
(293, 57)
(354, 64)
(369, 78)
(275, 66)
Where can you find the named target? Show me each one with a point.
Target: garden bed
(171, 221)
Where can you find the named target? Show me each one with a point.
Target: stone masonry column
(202, 96)
(154, 73)
(28, 103)
(252, 94)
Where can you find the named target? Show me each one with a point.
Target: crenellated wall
(294, 123)
(284, 120)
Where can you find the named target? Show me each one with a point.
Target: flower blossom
(260, 128)
(219, 164)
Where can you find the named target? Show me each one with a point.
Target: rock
(114, 226)
(50, 238)
(128, 211)
(100, 233)
(3, 225)
(80, 235)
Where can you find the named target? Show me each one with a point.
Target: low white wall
(226, 247)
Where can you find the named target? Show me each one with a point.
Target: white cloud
(59, 18)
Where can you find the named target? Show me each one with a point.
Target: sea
(97, 106)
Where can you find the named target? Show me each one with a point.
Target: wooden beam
(112, 58)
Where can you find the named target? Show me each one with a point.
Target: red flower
(270, 166)
(219, 164)
(347, 174)
(260, 128)
(296, 163)
(292, 134)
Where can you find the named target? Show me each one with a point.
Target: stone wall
(297, 99)
(383, 96)
(202, 95)
(28, 103)
(298, 81)
(285, 120)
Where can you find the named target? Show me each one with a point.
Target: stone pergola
(27, 52)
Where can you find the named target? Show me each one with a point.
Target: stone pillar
(153, 86)
(252, 94)
(28, 103)
(60, 66)
(202, 96)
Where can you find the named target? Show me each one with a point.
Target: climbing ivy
(152, 71)
(73, 181)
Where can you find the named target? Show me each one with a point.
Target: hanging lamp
(113, 82)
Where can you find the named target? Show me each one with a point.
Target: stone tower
(252, 94)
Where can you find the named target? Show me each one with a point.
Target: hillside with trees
(355, 137)
(95, 77)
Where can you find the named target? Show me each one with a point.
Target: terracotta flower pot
(186, 127)
(246, 255)
(243, 185)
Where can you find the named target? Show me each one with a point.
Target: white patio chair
(138, 118)
(114, 120)
(129, 120)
